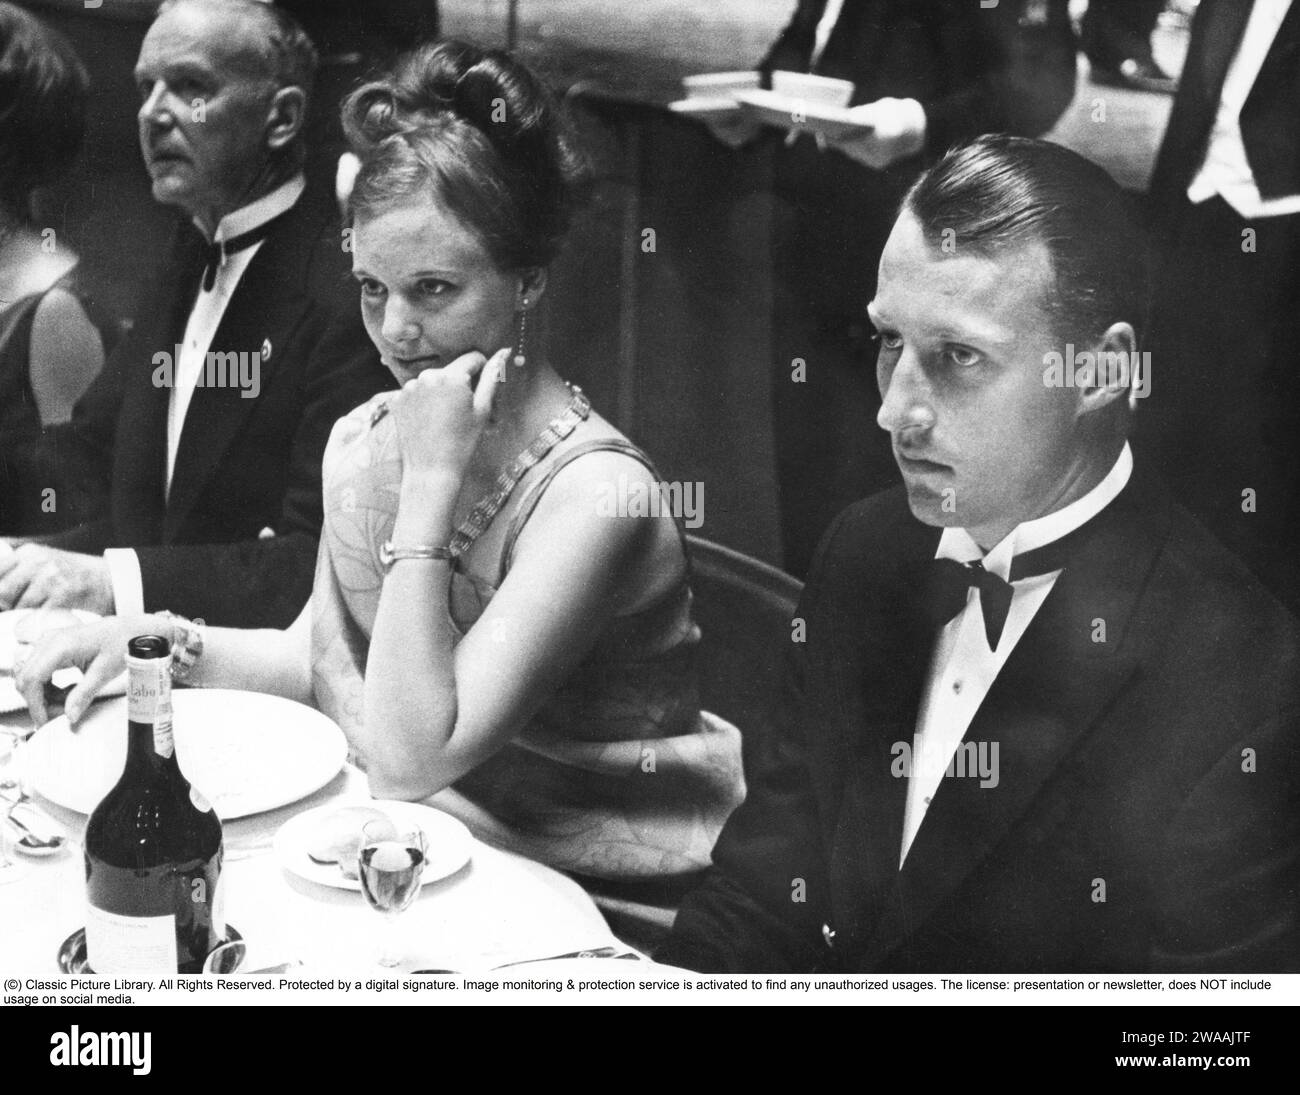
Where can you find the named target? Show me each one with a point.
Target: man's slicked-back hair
(998, 193)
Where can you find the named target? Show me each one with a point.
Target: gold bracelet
(388, 554)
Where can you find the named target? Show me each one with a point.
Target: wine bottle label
(163, 744)
(130, 944)
(149, 699)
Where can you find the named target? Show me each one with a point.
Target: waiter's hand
(33, 575)
(897, 131)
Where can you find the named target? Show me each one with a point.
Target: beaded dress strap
(490, 504)
(538, 488)
(487, 507)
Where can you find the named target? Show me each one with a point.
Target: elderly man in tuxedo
(1040, 720)
(200, 444)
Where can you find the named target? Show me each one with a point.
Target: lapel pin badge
(828, 934)
(266, 349)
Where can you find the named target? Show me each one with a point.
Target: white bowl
(814, 89)
(717, 85)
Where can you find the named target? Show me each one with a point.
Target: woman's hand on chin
(97, 649)
(440, 414)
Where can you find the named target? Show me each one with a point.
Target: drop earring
(521, 359)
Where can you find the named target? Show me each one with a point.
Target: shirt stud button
(956, 686)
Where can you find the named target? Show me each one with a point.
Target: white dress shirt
(962, 667)
(205, 317)
(826, 24)
(1226, 170)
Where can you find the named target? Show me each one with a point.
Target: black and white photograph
(673, 502)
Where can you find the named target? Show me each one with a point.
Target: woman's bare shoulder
(610, 502)
(608, 461)
(66, 354)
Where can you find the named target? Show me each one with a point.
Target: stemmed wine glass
(389, 864)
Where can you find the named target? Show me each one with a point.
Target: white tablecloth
(498, 908)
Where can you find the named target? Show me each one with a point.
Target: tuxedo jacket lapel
(1208, 59)
(1269, 116)
(1216, 34)
(887, 649)
(142, 428)
(1057, 683)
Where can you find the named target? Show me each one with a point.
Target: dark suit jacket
(1270, 118)
(1159, 769)
(244, 464)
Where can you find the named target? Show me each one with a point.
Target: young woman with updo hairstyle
(485, 626)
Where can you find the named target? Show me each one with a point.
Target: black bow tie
(215, 253)
(948, 581)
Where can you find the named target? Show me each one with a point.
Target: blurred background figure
(1116, 37)
(935, 74)
(364, 28)
(1225, 397)
(352, 37)
(51, 347)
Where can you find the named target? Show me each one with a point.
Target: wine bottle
(153, 845)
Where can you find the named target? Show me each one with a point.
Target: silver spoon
(43, 841)
(31, 842)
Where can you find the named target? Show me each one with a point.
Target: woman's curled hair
(478, 131)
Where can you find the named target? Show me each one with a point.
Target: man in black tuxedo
(1040, 720)
(926, 75)
(1225, 195)
(202, 439)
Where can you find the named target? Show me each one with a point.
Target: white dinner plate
(53, 621)
(449, 843)
(11, 700)
(781, 110)
(582, 969)
(245, 752)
